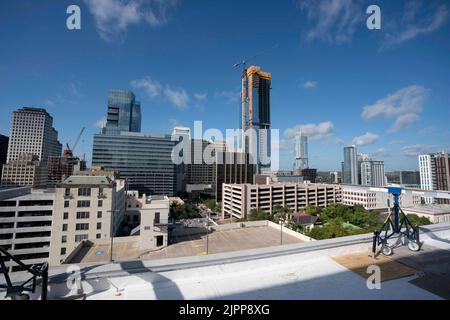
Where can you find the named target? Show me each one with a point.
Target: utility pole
(281, 220)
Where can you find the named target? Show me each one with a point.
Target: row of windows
(82, 215)
(81, 226)
(83, 203)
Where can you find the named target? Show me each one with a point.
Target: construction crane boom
(78, 139)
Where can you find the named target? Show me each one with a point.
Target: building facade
(374, 198)
(124, 112)
(32, 141)
(3, 151)
(435, 174)
(239, 199)
(143, 160)
(153, 216)
(301, 153)
(350, 166)
(255, 114)
(25, 224)
(86, 208)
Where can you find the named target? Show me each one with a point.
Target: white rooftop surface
(285, 278)
(289, 272)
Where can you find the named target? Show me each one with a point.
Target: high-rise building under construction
(255, 114)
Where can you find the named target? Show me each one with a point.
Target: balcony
(101, 195)
(68, 196)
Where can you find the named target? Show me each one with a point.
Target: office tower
(82, 211)
(435, 174)
(144, 160)
(32, 141)
(309, 174)
(409, 178)
(350, 166)
(124, 112)
(25, 225)
(301, 153)
(371, 172)
(334, 177)
(427, 168)
(32, 132)
(255, 114)
(227, 167)
(3, 151)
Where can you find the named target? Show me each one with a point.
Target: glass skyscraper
(124, 112)
(144, 160)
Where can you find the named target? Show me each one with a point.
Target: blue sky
(387, 90)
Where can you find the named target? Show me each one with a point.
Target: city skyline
(320, 85)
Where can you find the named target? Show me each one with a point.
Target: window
(99, 214)
(83, 204)
(82, 226)
(64, 228)
(99, 225)
(66, 204)
(83, 215)
(66, 215)
(157, 215)
(64, 239)
(81, 237)
(100, 203)
(63, 251)
(98, 236)
(86, 192)
(67, 192)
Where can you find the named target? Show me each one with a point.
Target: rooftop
(326, 269)
(433, 209)
(87, 180)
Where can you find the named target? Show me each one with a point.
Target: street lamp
(112, 233)
(207, 233)
(281, 220)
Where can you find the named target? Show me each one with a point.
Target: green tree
(418, 221)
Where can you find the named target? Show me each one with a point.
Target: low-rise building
(374, 198)
(153, 217)
(239, 199)
(436, 213)
(86, 208)
(25, 224)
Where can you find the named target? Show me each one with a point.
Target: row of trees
(183, 211)
(338, 220)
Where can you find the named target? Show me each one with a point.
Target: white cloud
(416, 149)
(313, 131)
(404, 121)
(309, 85)
(113, 17)
(152, 87)
(404, 105)
(101, 123)
(419, 18)
(365, 139)
(179, 98)
(49, 103)
(381, 153)
(332, 21)
(230, 96)
(201, 97)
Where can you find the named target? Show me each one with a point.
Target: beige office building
(372, 198)
(239, 199)
(82, 211)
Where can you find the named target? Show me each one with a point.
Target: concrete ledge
(319, 248)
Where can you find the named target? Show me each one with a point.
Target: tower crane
(69, 151)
